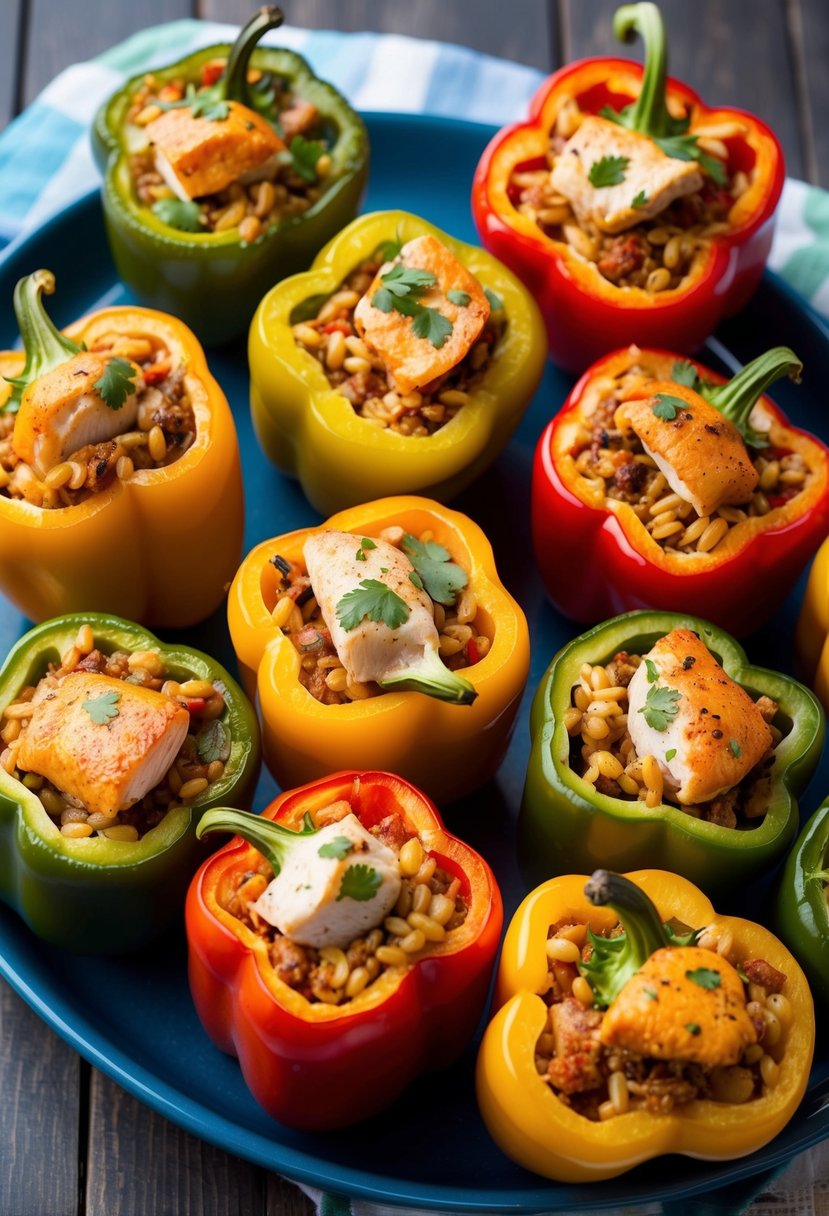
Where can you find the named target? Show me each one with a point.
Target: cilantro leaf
(734, 748)
(359, 882)
(609, 171)
(660, 707)
(670, 753)
(705, 977)
(304, 156)
(407, 280)
(495, 301)
(441, 578)
(415, 578)
(684, 372)
(367, 543)
(117, 382)
(640, 201)
(207, 105)
(102, 709)
(652, 670)
(650, 993)
(668, 407)
(685, 147)
(175, 213)
(461, 298)
(389, 250)
(433, 326)
(374, 600)
(213, 743)
(338, 848)
(692, 1027)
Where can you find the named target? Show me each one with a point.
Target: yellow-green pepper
(812, 636)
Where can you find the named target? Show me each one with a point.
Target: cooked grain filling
(602, 751)
(166, 428)
(601, 1082)
(626, 473)
(361, 376)
(187, 778)
(430, 906)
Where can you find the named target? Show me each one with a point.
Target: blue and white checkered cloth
(46, 163)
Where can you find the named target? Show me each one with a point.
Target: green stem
(736, 399)
(272, 840)
(431, 676)
(615, 959)
(233, 85)
(45, 346)
(649, 114)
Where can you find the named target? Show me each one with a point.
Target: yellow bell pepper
(446, 749)
(812, 634)
(540, 1132)
(160, 547)
(311, 431)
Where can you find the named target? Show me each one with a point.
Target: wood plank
(41, 1087)
(285, 1199)
(59, 34)
(810, 32)
(11, 16)
(729, 58)
(140, 1162)
(484, 25)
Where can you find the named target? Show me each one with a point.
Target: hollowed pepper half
(160, 546)
(99, 895)
(447, 749)
(812, 634)
(214, 280)
(802, 910)
(567, 823)
(312, 431)
(586, 313)
(314, 1065)
(540, 1132)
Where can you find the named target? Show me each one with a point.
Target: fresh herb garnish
(374, 600)
(495, 301)
(117, 382)
(389, 250)
(213, 743)
(640, 201)
(705, 977)
(206, 105)
(650, 993)
(305, 154)
(461, 298)
(609, 171)
(338, 848)
(365, 543)
(432, 325)
(415, 578)
(670, 753)
(660, 707)
(175, 213)
(652, 671)
(402, 288)
(442, 579)
(667, 407)
(359, 882)
(692, 1027)
(684, 372)
(678, 144)
(734, 748)
(102, 709)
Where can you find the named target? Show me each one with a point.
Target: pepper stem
(649, 114)
(615, 959)
(431, 675)
(736, 399)
(233, 85)
(45, 346)
(273, 841)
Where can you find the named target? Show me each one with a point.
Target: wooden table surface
(72, 1143)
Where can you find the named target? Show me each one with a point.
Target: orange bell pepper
(446, 749)
(812, 635)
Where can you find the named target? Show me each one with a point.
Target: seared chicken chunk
(102, 740)
(414, 362)
(649, 175)
(684, 1003)
(709, 733)
(62, 411)
(197, 155)
(305, 900)
(701, 453)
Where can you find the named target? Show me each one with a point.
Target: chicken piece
(62, 411)
(574, 1068)
(197, 155)
(413, 362)
(305, 900)
(701, 453)
(685, 1004)
(712, 731)
(102, 740)
(371, 651)
(649, 172)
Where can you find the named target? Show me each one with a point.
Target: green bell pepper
(97, 895)
(566, 825)
(802, 909)
(214, 280)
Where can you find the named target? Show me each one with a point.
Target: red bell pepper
(586, 314)
(596, 556)
(314, 1065)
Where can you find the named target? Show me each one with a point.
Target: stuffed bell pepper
(401, 362)
(656, 744)
(632, 211)
(120, 481)
(812, 635)
(802, 910)
(223, 173)
(111, 747)
(633, 1022)
(340, 946)
(383, 636)
(667, 487)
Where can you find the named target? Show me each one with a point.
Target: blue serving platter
(132, 1016)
